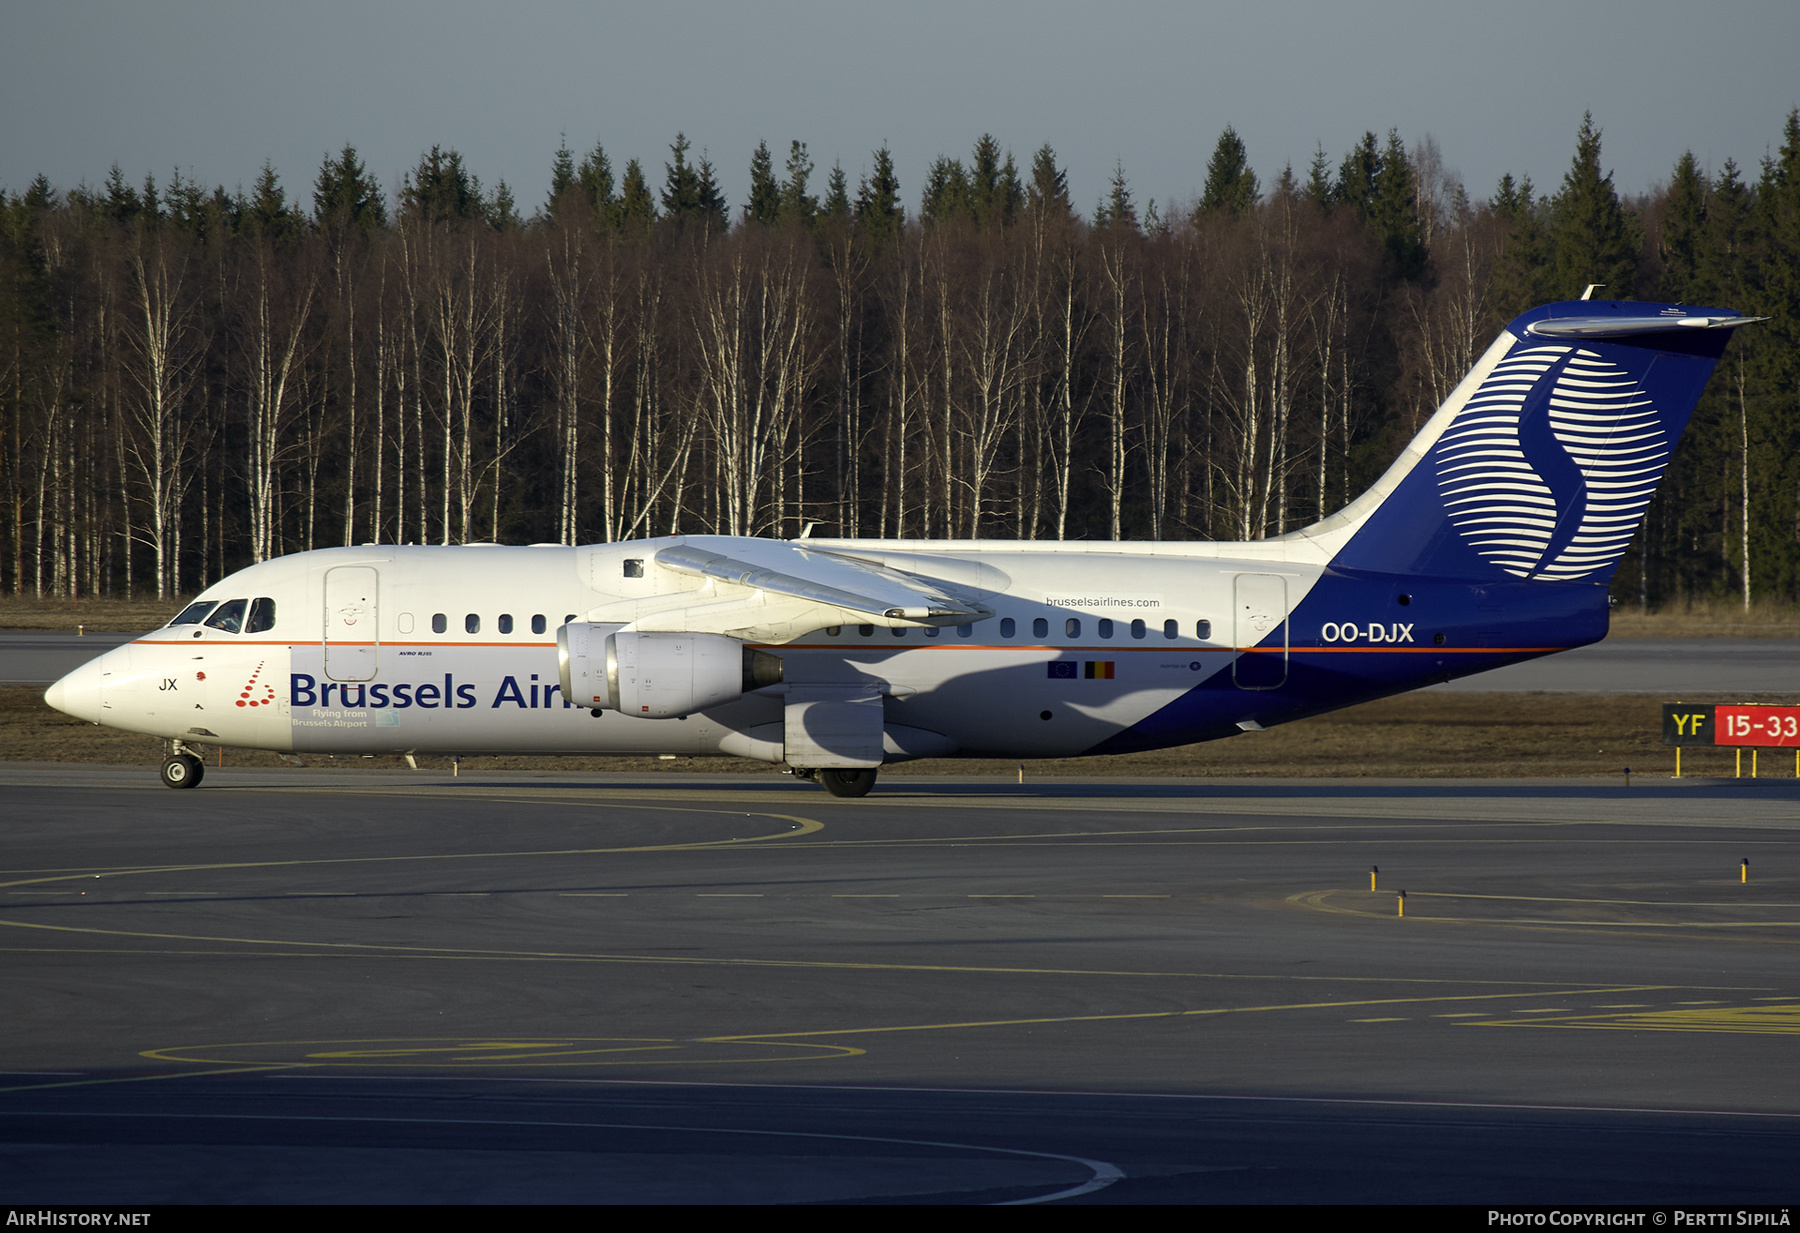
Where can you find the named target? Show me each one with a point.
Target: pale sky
(215, 88)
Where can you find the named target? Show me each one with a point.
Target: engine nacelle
(657, 675)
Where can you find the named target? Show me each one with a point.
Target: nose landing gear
(183, 770)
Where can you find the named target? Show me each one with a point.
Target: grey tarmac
(363, 986)
(41, 657)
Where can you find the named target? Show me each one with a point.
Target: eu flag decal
(1098, 669)
(1062, 670)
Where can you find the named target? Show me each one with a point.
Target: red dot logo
(268, 698)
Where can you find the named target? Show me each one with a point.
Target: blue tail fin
(1541, 463)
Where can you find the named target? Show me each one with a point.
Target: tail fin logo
(1549, 467)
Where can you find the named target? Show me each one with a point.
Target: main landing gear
(183, 770)
(839, 783)
(848, 783)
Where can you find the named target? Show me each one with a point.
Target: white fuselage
(456, 651)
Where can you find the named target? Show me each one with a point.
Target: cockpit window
(194, 612)
(262, 616)
(229, 617)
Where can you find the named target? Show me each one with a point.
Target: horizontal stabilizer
(1622, 327)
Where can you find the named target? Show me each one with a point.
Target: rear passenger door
(1260, 621)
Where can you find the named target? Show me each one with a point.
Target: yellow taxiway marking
(564, 1051)
(800, 827)
(1627, 903)
(1777, 1020)
(300, 948)
(1381, 907)
(1350, 1004)
(190, 1074)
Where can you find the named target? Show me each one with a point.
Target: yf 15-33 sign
(1769, 726)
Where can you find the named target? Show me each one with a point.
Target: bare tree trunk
(1744, 473)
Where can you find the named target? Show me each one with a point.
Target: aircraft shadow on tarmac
(446, 1135)
(1211, 790)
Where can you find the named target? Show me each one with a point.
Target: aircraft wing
(790, 569)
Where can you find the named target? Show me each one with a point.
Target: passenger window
(505, 623)
(438, 623)
(229, 617)
(1137, 629)
(867, 631)
(899, 631)
(194, 613)
(538, 623)
(568, 618)
(965, 631)
(405, 622)
(932, 631)
(472, 624)
(1040, 628)
(1008, 627)
(262, 616)
(1072, 627)
(1171, 628)
(1203, 630)
(634, 567)
(1105, 627)
(833, 631)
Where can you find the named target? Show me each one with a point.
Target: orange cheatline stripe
(311, 643)
(1380, 649)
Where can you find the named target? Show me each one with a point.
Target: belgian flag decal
(1098, 669)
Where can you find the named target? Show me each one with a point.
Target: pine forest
(192, 381)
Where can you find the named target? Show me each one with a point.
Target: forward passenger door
(352, 627)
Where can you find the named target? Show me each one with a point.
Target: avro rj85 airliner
(1490, 540)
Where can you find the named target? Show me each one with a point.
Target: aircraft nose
(78, 693)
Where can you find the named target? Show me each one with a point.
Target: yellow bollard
(1744, 870)
(1678, 763)
(1753, 754)
(1402, 902)
(1373, 870)
(1740, 765)
(1022, 771)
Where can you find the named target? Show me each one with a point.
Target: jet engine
(657, 675)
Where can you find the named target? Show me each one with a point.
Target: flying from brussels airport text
(1490, 540)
